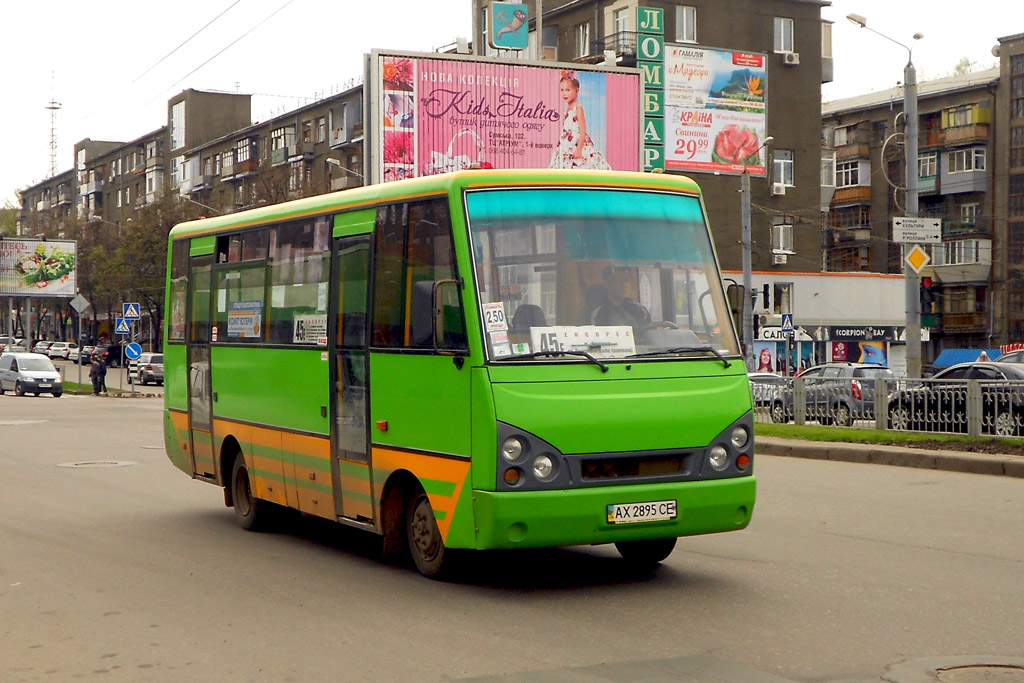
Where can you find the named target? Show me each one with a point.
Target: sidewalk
(952, 461)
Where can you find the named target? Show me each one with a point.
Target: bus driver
(619, 309)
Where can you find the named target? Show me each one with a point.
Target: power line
(206, 26)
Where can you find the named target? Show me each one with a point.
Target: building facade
(970, 177)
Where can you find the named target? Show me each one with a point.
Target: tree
(964, 66)
(8, 219)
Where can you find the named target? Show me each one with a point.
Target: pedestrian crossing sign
(130, 311)
(787, 322)
(122, 326)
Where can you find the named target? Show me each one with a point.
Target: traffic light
(757, 325)
(928, 296)
(765, 293)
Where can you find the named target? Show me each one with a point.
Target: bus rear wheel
(426, 546)
(649, 552)
(250, 510)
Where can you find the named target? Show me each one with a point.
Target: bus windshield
(614, 273)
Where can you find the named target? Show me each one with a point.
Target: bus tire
(250, 510)
(648, 552)
(426, 547)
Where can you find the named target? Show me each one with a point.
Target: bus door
(350, 436)
(200, 405)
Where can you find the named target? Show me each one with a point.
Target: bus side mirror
(449, 321)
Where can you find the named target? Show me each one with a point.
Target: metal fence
(973, 407)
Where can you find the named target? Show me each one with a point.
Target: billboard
(37, 267)
(714, 110)
(432, 114)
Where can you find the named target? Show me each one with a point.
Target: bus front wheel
(429, 555)
(249, 509)
(649, 552)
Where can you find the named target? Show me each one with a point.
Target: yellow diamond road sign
(918, 258)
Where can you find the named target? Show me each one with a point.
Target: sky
(113, 64)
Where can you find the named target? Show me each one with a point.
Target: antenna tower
(53, 106)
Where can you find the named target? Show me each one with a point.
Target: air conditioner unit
(780, 259)
(778, 189)
(791, 58)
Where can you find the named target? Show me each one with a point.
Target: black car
(112, 355)
(942, 402)
(834, 393)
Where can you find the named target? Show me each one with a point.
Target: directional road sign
(122, 326)
(130, 311)
(787, 322)
(908, 230)
(133, 351)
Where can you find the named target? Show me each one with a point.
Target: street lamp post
(748, 304)
(911, 286)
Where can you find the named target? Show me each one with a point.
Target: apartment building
(970, 176)
(785, 220)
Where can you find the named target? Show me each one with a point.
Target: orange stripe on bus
(423, 466)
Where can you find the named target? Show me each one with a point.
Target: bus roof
(370, 195)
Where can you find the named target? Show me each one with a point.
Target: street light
(748, 308)
(913, 301)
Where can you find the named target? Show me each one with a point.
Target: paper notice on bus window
(499, 344)
(245, 319)
(605, 341)
(309, 329)
(494, 317)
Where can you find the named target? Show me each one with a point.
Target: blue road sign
(122, 326)
(130, 311)
(133, 351)
(787, 322)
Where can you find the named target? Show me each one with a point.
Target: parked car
(29, 373)
(838, 393)
(765, 385)
(150, 368)
(1011, 357)
(940, 403)
(112, 355)
(61, 349)
(86, 354)
(41, 346)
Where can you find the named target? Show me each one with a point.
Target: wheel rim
(843, 415)
(243, 494)
(423, 530)
(899, 418)
(1004, 424)
(778, 413)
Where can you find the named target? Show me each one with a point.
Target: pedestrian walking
(98, 375)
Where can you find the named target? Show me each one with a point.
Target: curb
(950, 461)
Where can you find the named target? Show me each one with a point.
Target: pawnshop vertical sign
(431, 113)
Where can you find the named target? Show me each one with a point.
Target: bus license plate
(630, 513)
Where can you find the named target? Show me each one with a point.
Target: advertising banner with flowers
(437, 113)
(714, 110)
(37, 267)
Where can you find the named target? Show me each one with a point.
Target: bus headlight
(511, 449)
(543, 466)
(718, 457)
(739, 437)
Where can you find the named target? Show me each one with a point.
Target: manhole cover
(982, 673)
(99, 463)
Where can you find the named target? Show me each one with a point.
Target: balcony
(227, 168)
(980, 227)
(301, 151)
(624, 45)
(855, 194)
(965, 134)
(927, 184)
(279, 156)
(930, 138)
(43, 205)
(856, 150)
(155, 162)
(848, 236)
(93, 187)
(962, 323)
(64, 197)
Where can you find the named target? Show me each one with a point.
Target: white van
(29, 373)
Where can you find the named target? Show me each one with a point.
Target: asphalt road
(135, 572)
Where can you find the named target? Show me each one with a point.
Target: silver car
(150, 368)
(29, 373)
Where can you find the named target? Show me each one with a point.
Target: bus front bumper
(535, 519)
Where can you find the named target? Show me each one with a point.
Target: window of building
(127, 195)
(850, 217)
(964, 160)
(782, 238)
(177, 166)
(280, 137)
(1016, 249)
(956, 117)
(927, 164)
(1016, 86)
(622, 20)
(828, 168)
(826, 40)
(307, 130)
(178, 125)
(783, 34)
(840, 136)
(1016, 187)
(847, 174)
(1017, 146)
(879, 132)
(848, 259)
(686, 24)
(321, 129)
(969, 212)
(783, 166)
(119, 199)
(244, 150)
(582, 39)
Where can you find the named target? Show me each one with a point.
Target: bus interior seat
(527, 316)
(595, 297)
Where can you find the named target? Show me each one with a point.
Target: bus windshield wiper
(684, 349)
(542, 354)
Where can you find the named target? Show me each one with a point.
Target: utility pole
(748, 293)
